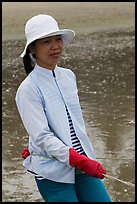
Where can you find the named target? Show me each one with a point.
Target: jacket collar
(46, 72)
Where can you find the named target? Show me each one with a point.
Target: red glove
(88, 166)
(25, 153)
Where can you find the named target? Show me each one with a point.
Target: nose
(55, 45)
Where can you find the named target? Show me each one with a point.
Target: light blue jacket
(41, 100)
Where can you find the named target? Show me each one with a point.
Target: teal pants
(85, 189)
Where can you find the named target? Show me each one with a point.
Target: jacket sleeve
(32, 113)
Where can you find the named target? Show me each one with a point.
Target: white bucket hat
(41, 26)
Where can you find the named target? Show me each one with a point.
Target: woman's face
(47, 51)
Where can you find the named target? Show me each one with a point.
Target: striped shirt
(75, 141)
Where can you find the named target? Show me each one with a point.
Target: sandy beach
(82, 17)
(102, 56)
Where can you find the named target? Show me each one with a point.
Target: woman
(60, 154)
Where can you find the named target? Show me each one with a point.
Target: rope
(106, 175)
(125, 182)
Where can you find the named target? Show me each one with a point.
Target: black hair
(28, 61)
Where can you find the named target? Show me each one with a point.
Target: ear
(32, 48)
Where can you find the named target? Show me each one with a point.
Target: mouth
(55, 54)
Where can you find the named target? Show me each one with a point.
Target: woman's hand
(88, 166)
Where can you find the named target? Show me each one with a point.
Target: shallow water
(104, 64)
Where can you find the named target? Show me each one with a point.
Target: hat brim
(67, 37)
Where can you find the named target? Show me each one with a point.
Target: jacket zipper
(59, 88)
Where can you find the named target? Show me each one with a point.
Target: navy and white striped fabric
(75, 141)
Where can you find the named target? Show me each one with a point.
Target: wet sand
(104, 63)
